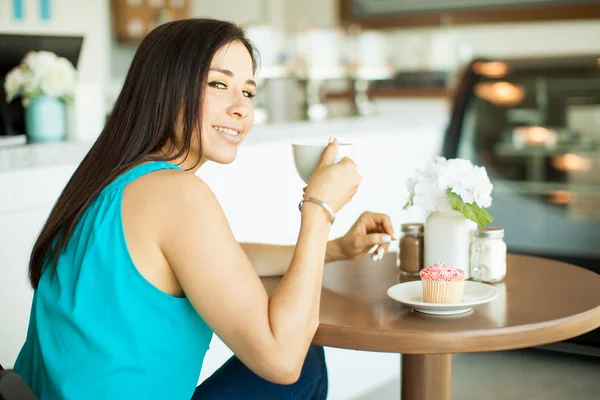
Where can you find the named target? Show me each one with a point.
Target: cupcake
(442, 284)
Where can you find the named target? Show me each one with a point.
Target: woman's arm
(274, 260)
(370, 229)
(270, 335)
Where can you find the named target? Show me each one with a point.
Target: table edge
(411, 342)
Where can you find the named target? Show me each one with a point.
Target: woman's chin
(224, 157)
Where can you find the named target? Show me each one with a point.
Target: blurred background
(510, 85)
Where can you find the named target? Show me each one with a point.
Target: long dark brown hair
(164, 88)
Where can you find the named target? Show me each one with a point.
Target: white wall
(69, 17)
(311, 13)
(239, 11)
(442, 47)
(525, 39)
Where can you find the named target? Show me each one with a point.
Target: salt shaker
(410, 257)
(488, 255)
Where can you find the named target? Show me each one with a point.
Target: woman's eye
(222, 86)
(218, 85)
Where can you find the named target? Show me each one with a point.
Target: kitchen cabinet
(396, 13)
(134, 19)
(19, 230)
(26, 198)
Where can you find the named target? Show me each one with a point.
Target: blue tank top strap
(138, 171)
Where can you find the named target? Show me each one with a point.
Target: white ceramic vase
(448, 237)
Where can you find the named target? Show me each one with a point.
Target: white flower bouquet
(455, 184)
(41, 73)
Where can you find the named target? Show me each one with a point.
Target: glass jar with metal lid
(410, 257)
(488, 255)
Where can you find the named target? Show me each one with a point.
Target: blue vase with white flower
(456, 194)
(45, 83)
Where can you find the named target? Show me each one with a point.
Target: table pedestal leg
(426, 376)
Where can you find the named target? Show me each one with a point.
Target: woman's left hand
(370, 230)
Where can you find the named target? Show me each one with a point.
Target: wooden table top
(541, 301)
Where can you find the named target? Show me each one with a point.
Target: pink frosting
(441, 272)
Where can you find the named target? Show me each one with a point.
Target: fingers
(330, 152)
(380, 252)
(381, 241)
(373, 249)
(349, 163)
(386, 221)
(377, 239)
(377, 254)
(381, 221)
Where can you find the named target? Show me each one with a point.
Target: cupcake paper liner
(443, 292)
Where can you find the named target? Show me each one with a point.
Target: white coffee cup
(308, 155)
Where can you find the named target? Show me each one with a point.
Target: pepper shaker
(410, 256)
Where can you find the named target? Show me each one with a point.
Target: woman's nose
(239, 108)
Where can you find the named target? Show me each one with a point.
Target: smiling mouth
(227, 130)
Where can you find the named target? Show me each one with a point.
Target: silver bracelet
(322, 204)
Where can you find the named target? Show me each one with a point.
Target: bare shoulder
(167, 188)
(161, 211)
(172, 201)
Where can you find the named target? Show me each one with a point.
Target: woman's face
(227, 112)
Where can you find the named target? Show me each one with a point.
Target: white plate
(411, 295)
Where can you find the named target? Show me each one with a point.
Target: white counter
(414, 121)
(40, 156)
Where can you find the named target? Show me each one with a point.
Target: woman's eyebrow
(229, 73)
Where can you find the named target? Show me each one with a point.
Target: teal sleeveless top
(98, 329)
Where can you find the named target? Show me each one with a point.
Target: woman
(136, 266)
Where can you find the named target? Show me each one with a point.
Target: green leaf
(408, 204)
(471, 211)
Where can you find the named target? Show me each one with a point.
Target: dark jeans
(235, 381)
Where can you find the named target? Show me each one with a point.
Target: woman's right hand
(334, 184)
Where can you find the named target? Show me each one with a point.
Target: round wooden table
(541, 301)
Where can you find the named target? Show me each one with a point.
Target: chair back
(13, 387)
